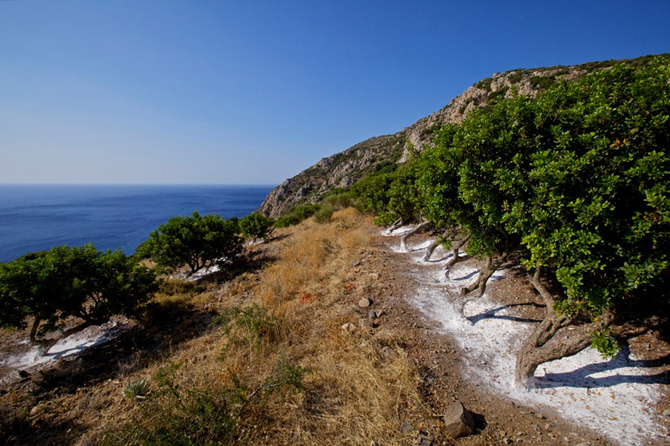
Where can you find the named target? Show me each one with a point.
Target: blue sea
(39, 217)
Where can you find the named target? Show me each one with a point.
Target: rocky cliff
(345, 168)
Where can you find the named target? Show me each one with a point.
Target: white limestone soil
(615, 398)
(64, 348)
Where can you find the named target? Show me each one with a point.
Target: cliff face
(345, 168)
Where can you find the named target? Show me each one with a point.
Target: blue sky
(242, 92)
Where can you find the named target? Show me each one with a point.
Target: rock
(406, 428)
(365, 302)
(365, 323)
(458, 421)
(425, 439)
(23, 374)
(374, 314)
(348, 327)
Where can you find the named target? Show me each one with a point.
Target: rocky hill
(345, 168)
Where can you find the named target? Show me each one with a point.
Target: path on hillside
(617, 399)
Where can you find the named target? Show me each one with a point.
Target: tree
(256, 226)
(83, 283)
(578, 183)
(579, 179)
(595, 213)
(194, 241)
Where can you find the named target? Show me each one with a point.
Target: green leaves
(256, 226)
(577, 179)
(196, 241)
(72, 282)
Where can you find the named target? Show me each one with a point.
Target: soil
(442, 363)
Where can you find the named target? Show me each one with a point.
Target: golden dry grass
(357, 387)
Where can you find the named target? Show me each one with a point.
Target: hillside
(284, 352)
(345, 168)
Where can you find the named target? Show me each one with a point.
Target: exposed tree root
(455, 258)
(419, 227)
(396, 224)
(543, 345)
(429, 250)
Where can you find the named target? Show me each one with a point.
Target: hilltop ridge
(347, 167)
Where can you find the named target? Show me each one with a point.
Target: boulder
(458, 421)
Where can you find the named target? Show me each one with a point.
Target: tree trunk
(455, 249)
(403, 239)
(396, 224)
(538, 349)
(429, 251)
(486, 271)
(33, 331)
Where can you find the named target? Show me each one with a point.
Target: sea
(38, 217)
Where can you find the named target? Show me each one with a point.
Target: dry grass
(277, 368)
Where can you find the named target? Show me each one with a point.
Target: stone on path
(458, 421)
(365, 302)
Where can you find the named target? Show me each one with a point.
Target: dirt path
(579, 400)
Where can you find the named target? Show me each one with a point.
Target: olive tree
(65, 282)
(256, 226)
(196, 241)
(596, 209)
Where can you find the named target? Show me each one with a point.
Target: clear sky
(246, 91)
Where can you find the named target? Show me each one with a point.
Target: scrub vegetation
(575, 184)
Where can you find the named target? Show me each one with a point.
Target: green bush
(196, 241)
(256, 226)
(72, 282)
(297, 215)
(324, 214)
(339, 200)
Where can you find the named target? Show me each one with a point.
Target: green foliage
(499, 94)
(324, 214)
(372, 192)
(252, 325)
(137, 389)
(194, 241)
(542, 82)
(484, 84)
(297, 215)
(577, 179)
(72, 282)
(606, 345)
(178, 416)
(256, 226)
(389, 195)
(339, 200)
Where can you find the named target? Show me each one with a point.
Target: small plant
(254, 325)
(297, 215)
(323, 215)
(138, 389)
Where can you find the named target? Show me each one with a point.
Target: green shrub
(196, 241)
(323, 215)
(256, 226)
(340, 200)
(297, 215)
